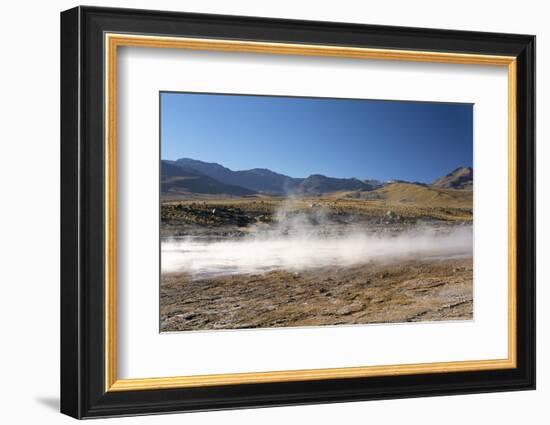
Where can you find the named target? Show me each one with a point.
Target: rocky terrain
(207, 210)
(369, 293)
(397, 204)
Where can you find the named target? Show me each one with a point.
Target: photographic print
(280, 211)
(300, 194)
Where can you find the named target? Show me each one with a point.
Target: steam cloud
(306, 241)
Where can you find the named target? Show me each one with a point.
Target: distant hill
(256, 179)
(317, 184)
(266, 181)
(460, 178)
(176, 179)
(375, 184)
(407, 182)
(407, 193)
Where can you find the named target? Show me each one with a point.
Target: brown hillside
(405, 193)
(460, 178)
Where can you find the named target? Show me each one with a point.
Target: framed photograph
(261, 212)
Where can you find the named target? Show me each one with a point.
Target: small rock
(351, 308)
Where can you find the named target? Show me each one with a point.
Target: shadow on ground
(49, 402)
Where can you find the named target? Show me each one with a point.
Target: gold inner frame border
(112, 41)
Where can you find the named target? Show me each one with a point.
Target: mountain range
(187, 175)
(181, 179)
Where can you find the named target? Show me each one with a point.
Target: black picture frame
(83, 392)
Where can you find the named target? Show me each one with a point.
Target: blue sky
(417, 141)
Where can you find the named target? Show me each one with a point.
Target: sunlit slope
(405, 193)
(412, 201)
(393, 203)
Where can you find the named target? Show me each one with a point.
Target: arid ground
(405, 292)
(400, 253)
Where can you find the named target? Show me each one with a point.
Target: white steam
(310, 246)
